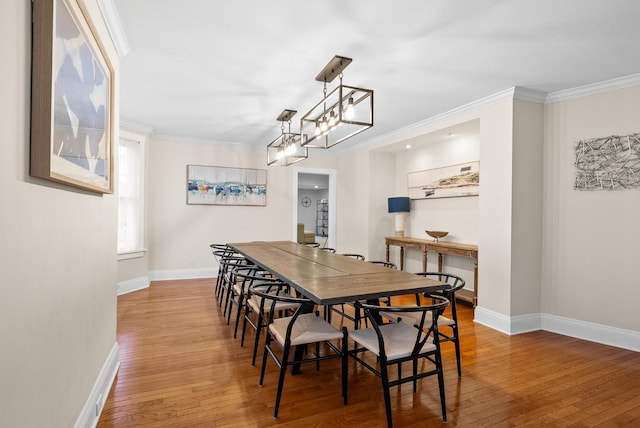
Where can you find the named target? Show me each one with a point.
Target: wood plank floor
(181, 367)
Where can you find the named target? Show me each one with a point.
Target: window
(130, 195)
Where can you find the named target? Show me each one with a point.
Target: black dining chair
(448, 321)
(357, 316)
(395, 343)
(301, 329)
(227, 264)
(383, 263)
(219, 251)
(242, 277)
(255, 315)
(354, 256)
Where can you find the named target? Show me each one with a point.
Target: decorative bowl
(436, 234)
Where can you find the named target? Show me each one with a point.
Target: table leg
(424, 261)
(401, 258)
(475, 283)
(387, 253)
(439, 262)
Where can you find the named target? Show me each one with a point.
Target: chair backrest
(250, 275)
(383, 263)
(228, 262)
(278, 292)
(425, 322)
(220, 250)
(355, 256)
(455, 282)
(331, 250)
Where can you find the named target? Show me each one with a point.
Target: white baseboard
(167, 275)
(613, 336)
(92, 409)
(130, 285)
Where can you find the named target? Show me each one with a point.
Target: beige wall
(526, 226)
(591, 257)
(58, 262)
(381, 223)
(179, 235)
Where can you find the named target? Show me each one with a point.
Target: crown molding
(594, 88)
(112, 20)
(531, 95)
(178, 139)
(422, 126)
(134, 126)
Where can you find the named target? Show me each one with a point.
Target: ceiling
(222, 71)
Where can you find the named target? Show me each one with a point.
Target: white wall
(308, 215)
(591, 257)
(58, 262)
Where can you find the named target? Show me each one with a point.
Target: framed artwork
(608, 163)
(216, 185)
(446, 182)
(72, 98)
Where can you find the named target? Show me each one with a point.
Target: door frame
(332, 173)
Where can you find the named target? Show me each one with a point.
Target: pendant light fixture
(341, 114)
(286, 149)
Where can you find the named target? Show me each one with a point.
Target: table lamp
(399, 205)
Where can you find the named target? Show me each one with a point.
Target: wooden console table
(449, 248)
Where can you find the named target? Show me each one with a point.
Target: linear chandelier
(286, 149)
(344, 112)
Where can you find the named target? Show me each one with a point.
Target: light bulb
(317, 131)
(291, 149)
(349, 112)
(332, 120)
(323, 125)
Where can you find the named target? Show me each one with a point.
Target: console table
(450, 248)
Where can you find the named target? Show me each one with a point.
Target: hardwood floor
(181, 367)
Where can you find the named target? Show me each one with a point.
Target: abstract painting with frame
(446, 182)
(72, 116)
(215, 185)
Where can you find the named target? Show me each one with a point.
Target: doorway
(314, 204)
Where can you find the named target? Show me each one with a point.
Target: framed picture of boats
(216, 185)
(446, 182)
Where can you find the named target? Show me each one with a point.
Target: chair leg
(264, 359)
(240, 305)
(257, 341)
(283, 371)
(387, 396)
(244, 327)
(345, 362)
(230, 308)
(456, 343)
(415, 374)
(441, 386)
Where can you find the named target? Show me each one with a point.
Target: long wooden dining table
(327, 278)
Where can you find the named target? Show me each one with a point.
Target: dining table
(327, 278)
